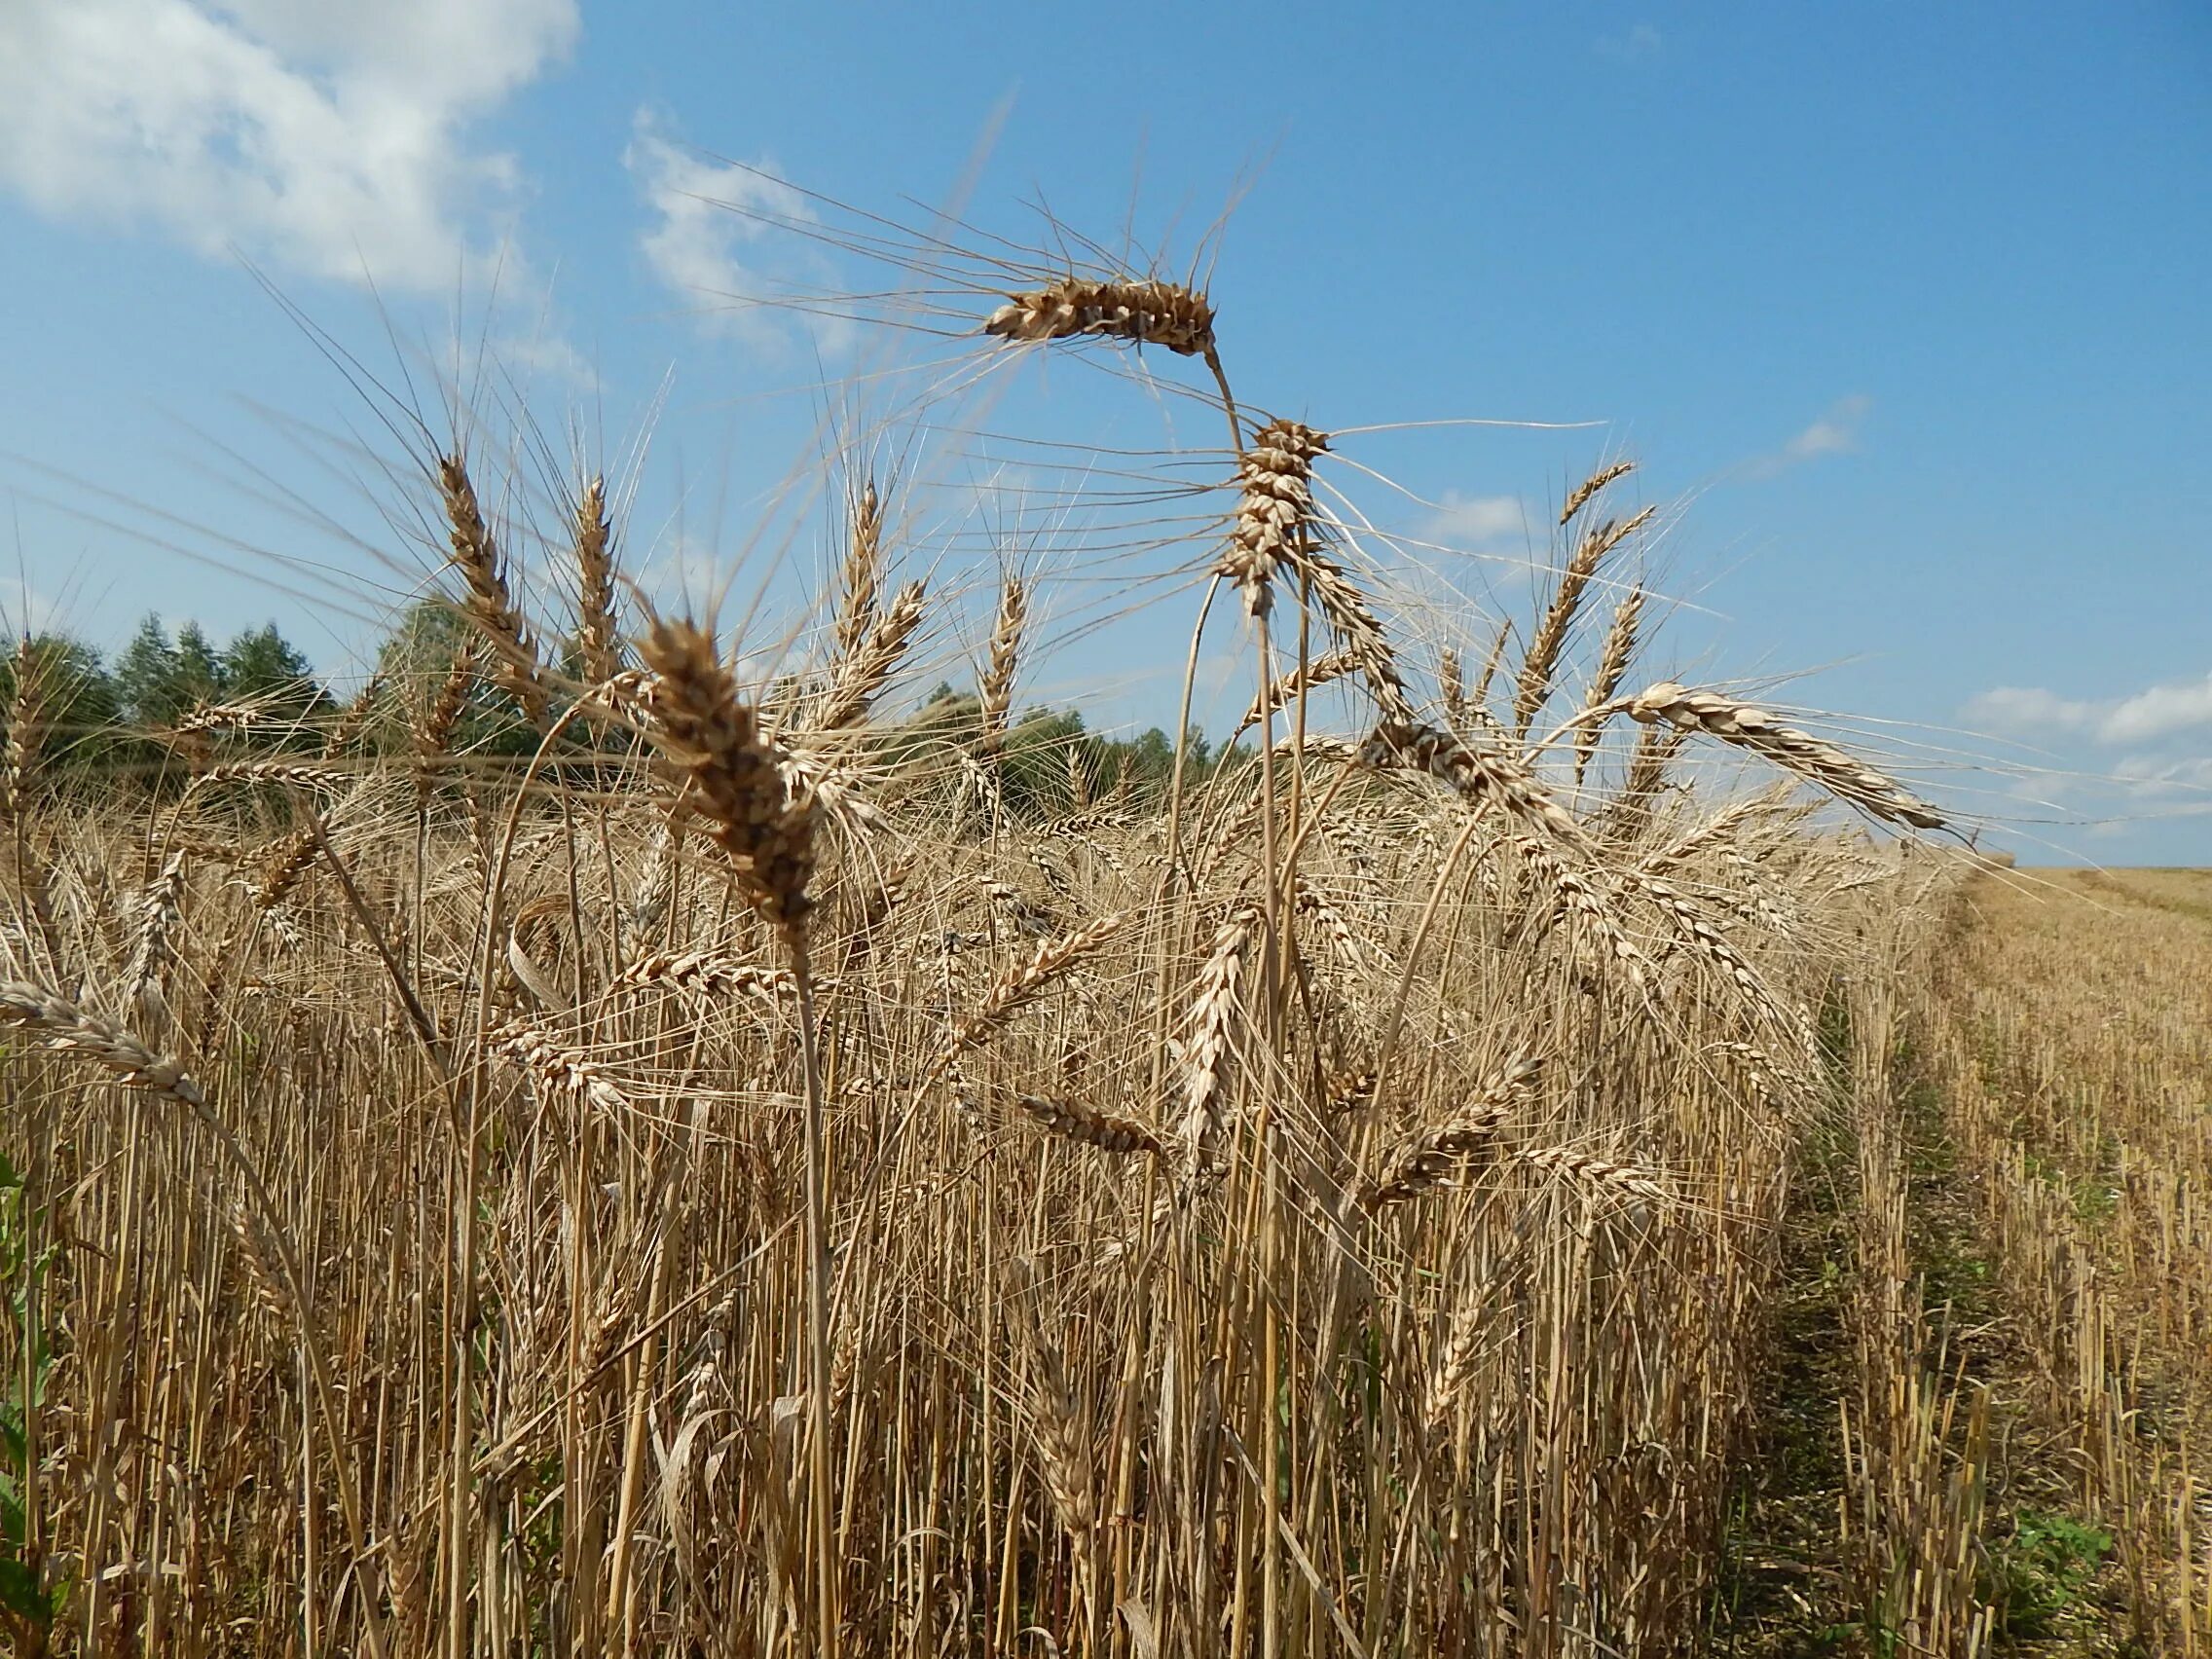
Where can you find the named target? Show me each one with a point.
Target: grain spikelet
(1274, 508)
(354, 720)
(1206, 1052)
(1747, 726)
(1109, 1131)
(26, 727)
(1718, 830)
(1579, 893)
(1537, 668)
(60, 1026)
(555, 1063)
(734, 781)
(1627, 1180)
(272, 772)
(286, 867)
(1580, 497)
(863, 671)
(861, 578)
(1321, 671)
(1612, 663)
(433, 734)
(598, 628)
(1425, 1161)
(1144, 313)
(996, 691)
(1019, 985)
(707, 976)
(210, 717)
(1480, 777)
(1359, 633)
(489, 605)
(160, 912)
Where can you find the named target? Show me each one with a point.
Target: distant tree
(414, 661)
(73, 705)
(261, 663)
(199, 670)
(1037, 751)
(147, 677)
(158, 683)
(260, 666)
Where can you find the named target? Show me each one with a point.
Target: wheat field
(731, 1172)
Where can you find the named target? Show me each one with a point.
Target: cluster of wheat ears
(713, 1186)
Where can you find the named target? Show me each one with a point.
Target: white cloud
(2163, 711)
(691, 574)
(2029, 709)
(1472, 521)
(2147, 716)
(1836, 433)
(704, 213)
(2154, 775)
(323, 137)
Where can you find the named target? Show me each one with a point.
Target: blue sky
(1902, 310)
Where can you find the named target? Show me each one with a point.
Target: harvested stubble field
(1488, 1172)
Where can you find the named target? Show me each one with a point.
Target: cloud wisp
(1836, 433)
(2146, 755)
(326, 140)
(712, 237)
(2150, 716)
(1477, 523)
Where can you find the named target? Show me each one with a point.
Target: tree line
(94, 716)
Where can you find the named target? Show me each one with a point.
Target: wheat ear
(1425, 1161)
(1580, 497)
(489, 605)
(863, 671)
(1109, 1131)
(1747, 726)
(1019, 985)
(733, 775)
(995, 693)
(860, 580)
(598, 629)
(1205, 1055)
(1141, 313)
(1542, 663)
(1612, 663)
